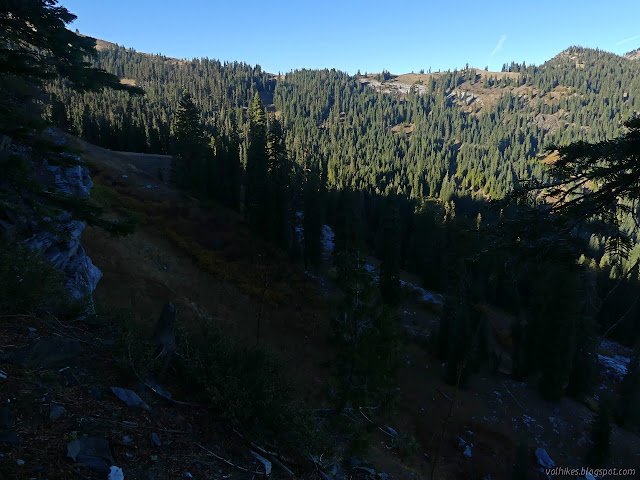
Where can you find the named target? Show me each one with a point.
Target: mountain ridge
(632, 55)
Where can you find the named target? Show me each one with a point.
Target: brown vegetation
(203, 258)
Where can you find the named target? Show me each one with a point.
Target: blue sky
(282, 35)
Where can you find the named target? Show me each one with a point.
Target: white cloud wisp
(498, 47)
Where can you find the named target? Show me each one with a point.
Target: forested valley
(332, 146)
(335, 250)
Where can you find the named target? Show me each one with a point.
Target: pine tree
(87, 125)
(628, 406)
(598, 454)
(544, 334)
(312, 222)
(230, 166)
(348, 221)
(187, 168)
(390, 255)
(584, 369)
(364, 337)
(59, 115)
(35, 47)
(257, 184)
(461, 337)
(279, 168)
(553, 329)
(611, 166)
(520, 361)
(456, 334)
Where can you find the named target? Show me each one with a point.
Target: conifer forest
(212, 271)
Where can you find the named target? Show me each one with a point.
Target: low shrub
(28, 282)
(245, 385)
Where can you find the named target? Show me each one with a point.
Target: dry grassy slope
(209, 266)
(147, 269)
(472, 96)
(203, 258)
(103, 44)
(634, 54)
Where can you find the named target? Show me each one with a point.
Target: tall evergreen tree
(598, 454)
(312, 223)
(461, 336)
(457, 339)
(36, 47)
(88, 127)
(520, 362)
(230, 166)
(348, 222)
(593, 181)
(257, 171)
(364, 337)
(279, 168)
(188, 167)
(553, 328)
(584, 368)
(390, 253)
(59, 115)
(628, 407)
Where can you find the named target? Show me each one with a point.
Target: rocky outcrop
(58, 238)
(633, 54)
(61, 245)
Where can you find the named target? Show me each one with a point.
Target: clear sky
(282, 35)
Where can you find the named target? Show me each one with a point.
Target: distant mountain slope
(461, 133)
(464, 132)
(103, 45)
(634, 54)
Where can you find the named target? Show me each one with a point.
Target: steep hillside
(471, 90)
(314, 275)
(481, 131)
(449, 123)
(201, 257)
(633, 54)
(457, 141)
(227, 287)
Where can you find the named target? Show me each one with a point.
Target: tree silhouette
(35, 47)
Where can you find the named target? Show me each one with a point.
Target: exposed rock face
(543, 458)
(74, 180)
(59, 239)
(61, 246)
